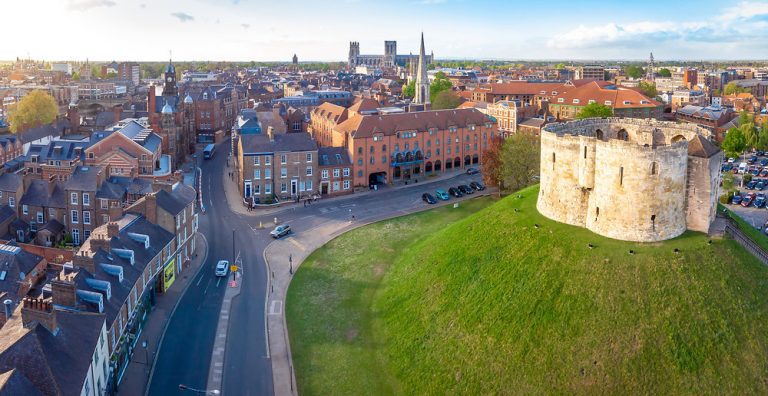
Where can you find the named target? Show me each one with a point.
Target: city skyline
(245, 30)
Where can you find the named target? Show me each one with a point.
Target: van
(743, 167)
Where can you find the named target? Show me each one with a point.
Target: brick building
(625, 102)
(335, 171)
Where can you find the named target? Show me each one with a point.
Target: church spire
(422, 80)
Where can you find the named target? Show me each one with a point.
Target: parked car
(472, 171)
(751, 185)
(441, 194)
(760, 153)
(428, 198)
(764, 161)
(752, 159)
(455, 192)
(466, 190)
(764, 172)
(731, 160)
(477, 186)
(280, 231)
(736, 199)
(222, 268)
(760, 200)
(748, 200)
(755, 172)
(726, 168)
(760, 186)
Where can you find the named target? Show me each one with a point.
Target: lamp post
(290, 264)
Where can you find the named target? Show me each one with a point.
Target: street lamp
(199, 391)
(290, 263)
(146, 353)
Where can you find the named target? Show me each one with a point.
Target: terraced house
(625, 102)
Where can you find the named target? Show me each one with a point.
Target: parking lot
(755, 192)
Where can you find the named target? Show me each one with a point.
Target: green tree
(35, 109)
(96, 72)
(762, 140)
(560, 66)
(431, 66)
(664, 72)
(75, 76)
(634, 71)
(733, 88)
(111, 75)
(520, 157)
(446, 100)
(492, 162)
(439, 84)
(409, 91)
(648, 88)
(734, 143)
(749, 131)
(595, 110)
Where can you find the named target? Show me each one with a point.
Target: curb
(168, 320)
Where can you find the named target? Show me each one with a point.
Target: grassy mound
(493, 304)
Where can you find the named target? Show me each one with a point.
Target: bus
(208, 152)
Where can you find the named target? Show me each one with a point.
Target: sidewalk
(139, 371)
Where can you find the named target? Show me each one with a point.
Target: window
(359, 173)
(86, 217)
(257, 189)
(268, 188)
(12, 202)
(309, 185)
(283, 158)
(324, 173)
(74, 217)
(267, 160)
(25, 209)
(437, 142)
(346, 184)
(621, 176)
(372, 161)
(40, 219)
(257, 174)
(654, 168)
(360, 150)
(51, 212)
(73, 198)
(346, 172)
(585, 152)
(257, 160)
(360, 162)
(309, 157)
(283, 187)
(336, 172)
(267, 173)
(309, 171)
(86, 199)
(384, 148)
(283, 173)
(103, 203)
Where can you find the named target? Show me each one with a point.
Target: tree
(431, 66)
(749, 131)
(409, 91)
(35, 109)
(648, 88)
(762, 140)
(439, 84)
(734, 143)
(560, 66)
(664, 72)
(111, 75)
(492, 162)
(520, 157)
(733, 88)
(75, 76)
(634, 71)
(446, 100)
(595, 110)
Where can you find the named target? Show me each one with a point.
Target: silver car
(222, 268)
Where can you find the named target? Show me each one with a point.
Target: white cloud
(182, 16)
(746, 10)
(84, 5)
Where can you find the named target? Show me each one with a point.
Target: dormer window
(592, 101)
(626, 102)
(576, 101)
(560, 100)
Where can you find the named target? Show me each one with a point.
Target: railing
(732, 229)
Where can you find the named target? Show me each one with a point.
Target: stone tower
(354, 52)
(422, 80)
(169, 80)
(169, 131)
(390, 53)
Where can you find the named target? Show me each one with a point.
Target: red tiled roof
(389, 124)
(330, 111)
(603, 91)
(527, 88)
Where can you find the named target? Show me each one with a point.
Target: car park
(760, 200)
(751, 185)
(748, 200)
(760, 186)
(455, 192)
(466, 190)
(736, 199)
(428, 198)
(472, 171)
(222, 268)
(441, 194)
(477, 186)
(280, 231)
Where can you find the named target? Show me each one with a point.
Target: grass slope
(491, 304)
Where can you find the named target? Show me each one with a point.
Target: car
(760, 186)
(280, 231)
(747, 200)
(764, 172)
(751, 185)
(760, 153)
(731, 160)
(222, 268)
(466, 190)
(752, 159)
(726, 168)
(441, 194)
(755, 172)
(428, 198)
(477, 186)
(760, 200)
(736, 199)
(455, 192)
(764, 161)
(472, 171)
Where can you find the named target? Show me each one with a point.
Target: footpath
(139, 372)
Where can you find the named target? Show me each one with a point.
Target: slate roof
(260, 144)
(14, 265)
(178, 199)
(333, 156)
(13, 382)
(84, 178)
(10, 182)
(52, 225)
(701, 147)
(6, 213)
(38, 194)
(710, 113)
(67, 152)
(133, 185)
(54, 129)
(110, 190)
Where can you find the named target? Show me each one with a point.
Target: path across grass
(451, 302)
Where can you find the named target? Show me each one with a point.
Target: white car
(731, 160)
(222, 268)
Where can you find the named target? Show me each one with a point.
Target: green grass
(428, 304)
(753, 233)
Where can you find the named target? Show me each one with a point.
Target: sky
(270, 30)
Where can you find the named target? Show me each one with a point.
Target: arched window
(622, 135)
(654, 168)
(599, 134)
(384, 148)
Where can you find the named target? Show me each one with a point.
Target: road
(185, 354)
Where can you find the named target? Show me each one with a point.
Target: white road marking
(297, 243)
(218, 281)
(348, 205)
(276, 308)
(199, 280)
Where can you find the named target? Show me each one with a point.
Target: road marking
(348, 205)
(276, 308)
(297, 243)
(199, 280)
(218, 281)
(206, 286)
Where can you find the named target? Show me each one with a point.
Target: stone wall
(627, 179)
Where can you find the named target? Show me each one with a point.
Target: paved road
(187, 347)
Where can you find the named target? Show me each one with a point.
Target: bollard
(275, 220)
(261, 225)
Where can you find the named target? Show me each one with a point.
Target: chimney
(63, 291)
(115, 213)
(99, 241)
(74, 119)
(112, 229)
(8, 309)
(84, 261)
(150, 208)
(118, 111)
(160, 185)
(40, 311)
(271, 133)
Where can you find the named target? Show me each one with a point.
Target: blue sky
(264, 30)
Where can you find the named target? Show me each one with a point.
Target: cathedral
(172, 118)
(390, 59)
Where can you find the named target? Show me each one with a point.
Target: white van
(743, 167)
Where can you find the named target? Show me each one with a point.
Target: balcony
(406, 158)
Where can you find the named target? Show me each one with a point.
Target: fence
(732, 230)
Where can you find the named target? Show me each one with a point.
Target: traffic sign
(233, 268)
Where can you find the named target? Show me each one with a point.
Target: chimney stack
(8, 310)
(118, 111)
(150, 208)
(115, 213)
(40, 311)
(84, 261)
(63, 291)
(113, 229)
(271, 133)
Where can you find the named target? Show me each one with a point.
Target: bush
(747, 178)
